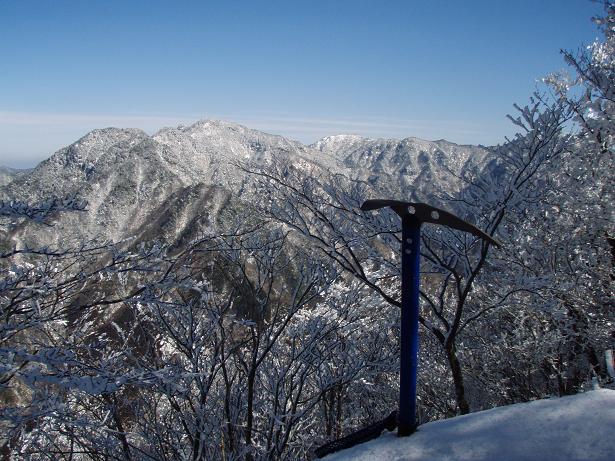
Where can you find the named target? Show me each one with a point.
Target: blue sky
(305, 69)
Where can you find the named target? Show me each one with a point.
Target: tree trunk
(120, 433)
(250, 412)
(460, 392)
(338, 419)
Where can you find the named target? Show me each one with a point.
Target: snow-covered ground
(579, 427)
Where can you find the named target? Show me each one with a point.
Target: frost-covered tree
(567, 238)
(239, 346)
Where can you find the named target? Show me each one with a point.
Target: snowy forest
(276, 330)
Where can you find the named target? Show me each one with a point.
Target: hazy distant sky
(305, 69)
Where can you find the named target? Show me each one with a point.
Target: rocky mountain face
(181, 181)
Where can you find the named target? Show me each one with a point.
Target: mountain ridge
(129, 177)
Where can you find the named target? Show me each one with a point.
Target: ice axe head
(421, 212)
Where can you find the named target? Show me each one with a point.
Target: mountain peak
(334, 143)
(214, 139)
(89, 148)
(215, 123)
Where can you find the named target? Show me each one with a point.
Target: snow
(579, 427)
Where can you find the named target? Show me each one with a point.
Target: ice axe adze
(412, 216)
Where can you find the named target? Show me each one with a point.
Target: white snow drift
(579, 427)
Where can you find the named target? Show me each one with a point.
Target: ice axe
(412, 216)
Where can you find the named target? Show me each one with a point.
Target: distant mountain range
(8, 174)
(181, 181)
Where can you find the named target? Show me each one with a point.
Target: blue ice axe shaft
(412, 216)
(409, 334)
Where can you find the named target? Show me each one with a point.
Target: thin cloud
(307, 124)
(372, 127)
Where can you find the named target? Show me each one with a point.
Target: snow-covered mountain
(411, 163)
(179, 181)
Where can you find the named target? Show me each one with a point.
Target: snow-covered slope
(213, 146)
(579, 427)
(410, 163)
